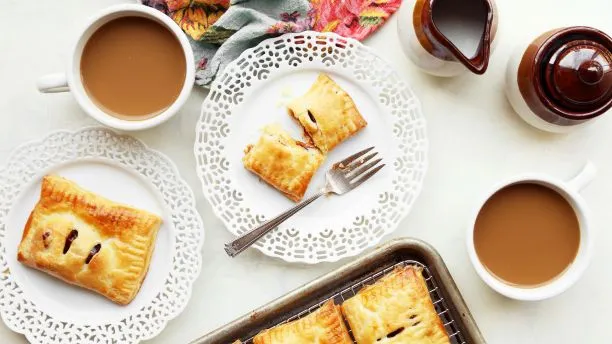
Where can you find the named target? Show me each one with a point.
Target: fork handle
(235, 247)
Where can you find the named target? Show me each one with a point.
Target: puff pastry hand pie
(327, 113)
(395, 309)
(323, 326)
(87, 240)
(282, 162)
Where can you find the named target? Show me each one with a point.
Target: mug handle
(584, 177)
(53, 83)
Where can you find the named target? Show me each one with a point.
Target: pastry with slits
(396, 309)
(89, 241)
(327, 113)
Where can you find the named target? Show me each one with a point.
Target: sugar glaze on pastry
(89, 241)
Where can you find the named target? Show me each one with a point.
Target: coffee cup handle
(53, 83)
(584, 177)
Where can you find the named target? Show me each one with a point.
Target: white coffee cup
(570, 190)
(71, 80)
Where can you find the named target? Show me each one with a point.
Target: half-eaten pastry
(327, 113)
(286, 164)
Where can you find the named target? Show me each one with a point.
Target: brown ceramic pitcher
(448, 37)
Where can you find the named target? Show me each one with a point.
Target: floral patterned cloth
(219, 30)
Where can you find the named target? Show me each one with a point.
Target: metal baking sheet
(347, 280)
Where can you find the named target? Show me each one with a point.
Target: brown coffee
(133, 68)
(526, 234)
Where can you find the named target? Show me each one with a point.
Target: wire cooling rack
(439, 303)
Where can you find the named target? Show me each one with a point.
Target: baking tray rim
(431, 259)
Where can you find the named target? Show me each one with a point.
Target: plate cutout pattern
(322, 51)
(27, 161)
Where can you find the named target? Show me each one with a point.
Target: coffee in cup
(526, 234)
(530, 236)
(131, 68)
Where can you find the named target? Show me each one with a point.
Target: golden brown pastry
(323, 326)
(327, 113)
(87, 240)
(395, 309)
(282, 162)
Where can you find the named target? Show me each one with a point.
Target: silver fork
(343, 177)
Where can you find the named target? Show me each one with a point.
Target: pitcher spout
(479, 62)
(465, 30)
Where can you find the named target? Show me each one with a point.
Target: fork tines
(356, 170)
(344, 163)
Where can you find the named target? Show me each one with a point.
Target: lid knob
(591, 72)
(578, 71)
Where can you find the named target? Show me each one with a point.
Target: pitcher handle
(53, 83)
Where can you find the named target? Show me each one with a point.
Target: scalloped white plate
(120, 168)
(253, 91)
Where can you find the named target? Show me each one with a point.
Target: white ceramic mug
(71, 80)
(570, 190)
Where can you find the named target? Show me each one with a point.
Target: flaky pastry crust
(323, 326)
(396, 309)
(282, 162)
(88, 240)
(327, 113)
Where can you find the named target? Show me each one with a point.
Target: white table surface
(475, 140)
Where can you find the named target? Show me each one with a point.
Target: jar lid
(577, 71)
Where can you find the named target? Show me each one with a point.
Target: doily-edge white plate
(121, 168)
(253, 90)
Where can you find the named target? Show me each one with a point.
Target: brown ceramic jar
(562, 79)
